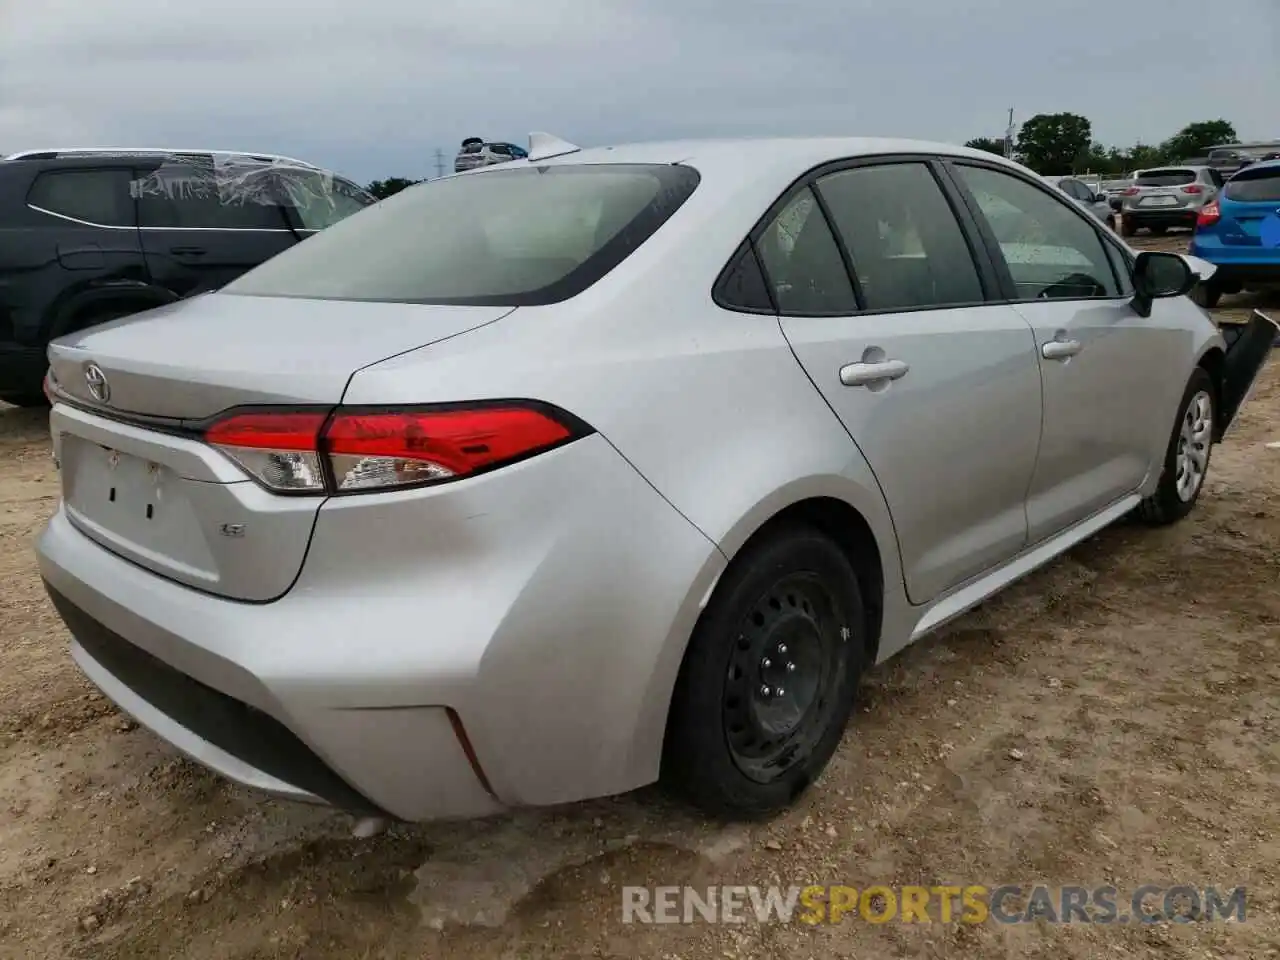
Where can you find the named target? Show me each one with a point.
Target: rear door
(1104, 369)
(199, 230)
(884, 300)
(87, 216)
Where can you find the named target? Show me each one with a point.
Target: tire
(1111, 223)
(1127, 227)
(1206, 295)
(769, 679)
(1175, 497)
(28, 401)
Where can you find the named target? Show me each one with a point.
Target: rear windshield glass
(502, 237)
(1165, 178)
(1254, 186)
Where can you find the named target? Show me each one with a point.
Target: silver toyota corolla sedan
(547, 480)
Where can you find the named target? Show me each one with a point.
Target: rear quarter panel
(710, 406)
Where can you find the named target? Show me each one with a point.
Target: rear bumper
(1161, 218)
(544, 618)
(22, 370)
(1244, 275)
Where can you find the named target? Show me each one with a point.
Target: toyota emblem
(96, 380)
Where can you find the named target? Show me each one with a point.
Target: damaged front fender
(1248, 346)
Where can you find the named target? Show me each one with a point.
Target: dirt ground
(1112, 719)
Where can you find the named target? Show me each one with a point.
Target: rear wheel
(1186, 460)
(1127, 227)
(769, 679)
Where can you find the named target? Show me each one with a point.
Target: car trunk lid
(136, 475)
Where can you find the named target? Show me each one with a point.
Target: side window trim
(989, 269)
(1010, 293)
(77, 220)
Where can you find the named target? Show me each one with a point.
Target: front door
(938, 388)
(200, 229)
(1103, 367)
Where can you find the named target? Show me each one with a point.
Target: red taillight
(1209, 215)
(353, 449)
(1131, 192)
(1193, 188)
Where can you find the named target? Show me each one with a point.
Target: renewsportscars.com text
(974, 903)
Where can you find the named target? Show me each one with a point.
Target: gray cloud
(374, 87)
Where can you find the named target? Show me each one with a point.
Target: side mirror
(1159, 275)
(1100, 198)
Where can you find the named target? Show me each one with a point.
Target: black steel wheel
(769, 679)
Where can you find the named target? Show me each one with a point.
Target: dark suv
(87, 236)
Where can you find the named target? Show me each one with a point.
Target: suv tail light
(354, 449)
(1193, 188)
(1131, 191)
(1210, 214)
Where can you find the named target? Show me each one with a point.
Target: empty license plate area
(138, 508)
(1160, 201)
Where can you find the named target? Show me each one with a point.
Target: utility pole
(1008, 136)
(439, 162)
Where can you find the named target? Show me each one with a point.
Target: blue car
(1239, 233)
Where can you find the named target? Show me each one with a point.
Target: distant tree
(989, 144)
(1143, 155)
(1053, 143)
(392, 185)
(1195, 139)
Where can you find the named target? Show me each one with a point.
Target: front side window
(907, 248)
(319, 199)
(99, 197)
(1051, 249)
(500, 237)
(196, 192)
(802, 262)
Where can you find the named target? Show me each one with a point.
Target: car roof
(750, 158)
(81, 153)
(1260, 165)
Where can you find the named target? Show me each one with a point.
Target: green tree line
(1049, 143)
(1060, 143)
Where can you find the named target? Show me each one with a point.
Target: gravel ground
(1112, 719)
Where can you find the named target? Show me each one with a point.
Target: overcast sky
(374, 87)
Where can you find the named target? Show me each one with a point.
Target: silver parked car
(475, 152)
(1087, 195)
(628, 473)
(1165, 197)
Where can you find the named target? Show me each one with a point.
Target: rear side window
(906, 245)
(1254, 185)
(742, 286)
(99, 197)
(515, 237)
(1165, 178)
(802, 261)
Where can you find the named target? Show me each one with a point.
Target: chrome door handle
(1060, 349)
(865, 374)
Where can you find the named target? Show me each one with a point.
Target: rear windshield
(1254, 186)
(502, 237)
(1165, 178)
